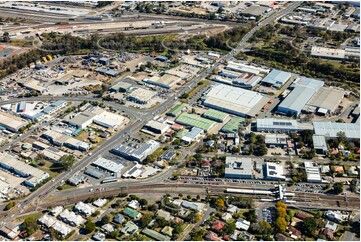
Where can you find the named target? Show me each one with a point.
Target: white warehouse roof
(235, 100)
(330, 130)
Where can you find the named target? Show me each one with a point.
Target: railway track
(193, 189)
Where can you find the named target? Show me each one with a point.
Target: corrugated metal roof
(329, 129)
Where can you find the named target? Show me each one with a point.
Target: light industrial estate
(180, 121)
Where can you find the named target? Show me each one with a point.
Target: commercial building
(312, 172)
(304, 90)
(107, 72)
(134, 172)
(168, 155)
(108, 119)
(326, 100)
(238, 67)
(276, 78)
(234, 100)
(156, 127)
(81, 120)
(166, 81)
(11, 122)
(244, 80)
(93, 173)
(55, 106)
(34, 176)
(328, 53)
(108, 165)
(141, 95)
(237, 167)
(280, 125)
(273, 140)
(215, 115)
(273, 171)
(233, 125)
(194, 120)
(176, 110)
(330, 129)
(136, 154)
(52, 154)
(60, 139)
(319, 144)
(4, 187)
(193, 135)
(254, 11)
(122, 87)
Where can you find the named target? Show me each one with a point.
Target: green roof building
(232, 125)
(132, 213)
(194, 120)
(129, 228)
(215, 115)
(155, 235)
(176, 110)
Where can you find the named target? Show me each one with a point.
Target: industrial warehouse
(195, 121)
(303, 91)
(234, 100)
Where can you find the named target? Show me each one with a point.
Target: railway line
(302, 200)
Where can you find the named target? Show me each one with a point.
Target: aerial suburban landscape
(180, 120)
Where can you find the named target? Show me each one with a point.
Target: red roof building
(303, 215)
(212, 236)
(328, 233)
(218, 225)
(177, 127)
(205, 164)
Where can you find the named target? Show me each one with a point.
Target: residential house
(211, 236)
(167, 230)
(119, 219)
(242, 224)
(98, 236)
(331, 225)
(130, 228)
(226, 216)
(132, 213)
(218, 225)
(134, 204)
(294, 233)
(328, 233)
(303, 215)
(107, 228)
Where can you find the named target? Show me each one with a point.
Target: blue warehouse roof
(277, 77)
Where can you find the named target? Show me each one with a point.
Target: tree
(251, 216)
(89, 226)
(30, 225)
(281, 223)
(229, 228)
(105, 219)
(114, 234)
(10, 205)
(341, 137)
(338, 187)
(198, 218)
(6, 37)
(309, 225)
(145, 220)
(143, 202)
(219, 203)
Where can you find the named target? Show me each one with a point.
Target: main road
(46, 189)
